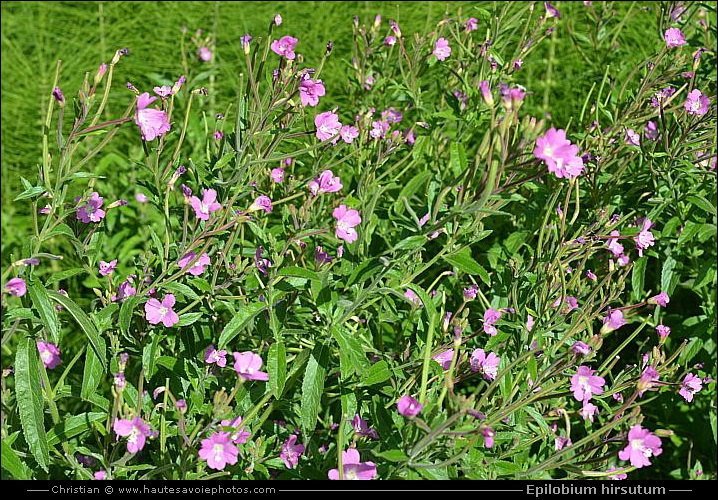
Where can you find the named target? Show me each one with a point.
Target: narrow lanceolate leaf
(638, 278)
(12, 464)
(126, 311)
(29, 400)
(313, 387)
(93, 372)
(72, 426)
(240, 320)
(41, 302)
(87, 326)
(277, 364)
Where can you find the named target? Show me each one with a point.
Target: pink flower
(141, 198)
(632, 138)
(16, 287)
(218, 451)
(560, 442)
(616, 477)
(691, 383)
(347, 220)
(156, 311)
(390, 40)
(444, 358)
(204, 54)
(674, 37)
(409, 407)
(613, 321)
(125, 290)
(588, 411)
(153, 122)
(236, 433)
(561, 157)
(663, 331)
(49, 354)
(580, 348)
(530, 323)
(412, 296)
(488, 434)
(198, 267)
(164, 91)
(442, 49)
(277, 175)
(472, 24)
(310, 91)
(661, 299)
(486, 364)
(651, 132)
(212, 355)
(136, 432)
(348, 133)
(585, 384)
(648, 377)
(100, 475)
(107, 267)
(471, 292)
(551, 11)
(278, 19)
(613, 245)
(353, 469)
(328, 125)
(379, 129)
(645, 238)
(697, 103)
(487, 97)
(491, 316)
(262, 202)
(623, 260)
(284, 47)
(247, 365)
(291, 452)
(206, 206)
(642, 445)
(362, 429)
(325, 183)
(91, 211)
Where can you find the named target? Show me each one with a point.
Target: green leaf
(410, 243)
(93, 372)
(457, 158)
(98, 345)
(149, 356)
(239, 321)
(277, 365)
(126, 311)
(181, 289)
(702, 203)
(72, 426)
(63, 275)
(466, 263)
(378, 372)
(159, 247)
(41, 301)
(299, 272)
(29, 400)
(352, 357)
(188, 318)
(411, 187)
(637, 278)
(392, 455)
(313, 386)
(12, 464)
(60, 229)
(668, 280)
(692, 349)
(222, 162)
(30, 193)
